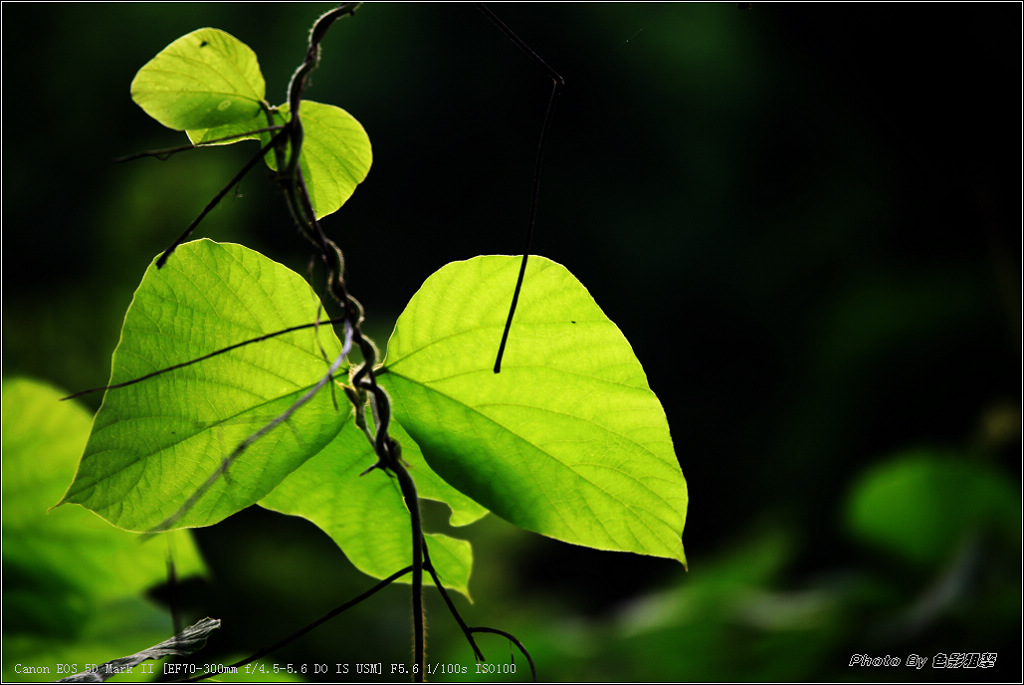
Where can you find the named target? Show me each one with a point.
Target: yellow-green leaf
(154, 443)
(204, 79)
(568, 440)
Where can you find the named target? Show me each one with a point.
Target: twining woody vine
(558, 432)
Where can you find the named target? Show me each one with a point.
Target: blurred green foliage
(805, 218)
(72, 582)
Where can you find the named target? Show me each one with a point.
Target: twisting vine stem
(386, 448)
(286, 145)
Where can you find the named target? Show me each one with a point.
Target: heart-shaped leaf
(154, 443)
(336, 154)
(204, 79)
(568, 440)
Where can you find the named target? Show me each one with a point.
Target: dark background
(805, 218)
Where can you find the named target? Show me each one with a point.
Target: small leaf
(155, 442)
(336, 154)
(204, 79)
(190, 640)
(568, 440)
(366, 515)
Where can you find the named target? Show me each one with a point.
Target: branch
(300, 205)
(187, 641)
(466, 630)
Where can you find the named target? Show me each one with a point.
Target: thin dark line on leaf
(167, 523)
(261, 338)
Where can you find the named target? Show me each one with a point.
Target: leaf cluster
(222, 393)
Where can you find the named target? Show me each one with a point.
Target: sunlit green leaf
(568, 440)
(204, 79)
(366, 516)
(155, 442)
(336, 154)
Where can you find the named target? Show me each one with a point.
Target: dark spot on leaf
(572, 322)
(203, 44)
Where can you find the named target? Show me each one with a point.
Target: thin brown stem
(218, 197)
(259, 654)
(451, 605)
(557, 84)
(512, 638)
(166, 152)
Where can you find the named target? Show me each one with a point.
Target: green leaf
(71, 550)
(568, 440)
(366, 516)
(68, 574)
(155, 442)
(922, 504)
(336, 154)
(204, 79)
(105, 635)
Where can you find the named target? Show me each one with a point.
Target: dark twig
(385, 447)
(302, 631)
(512, 638)
(165, 153)
(466, 630)
(389, 458)
(218, 197)
(418, 619)
(451, 605)
(557, 83)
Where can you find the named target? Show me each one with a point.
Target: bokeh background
(805, 218)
